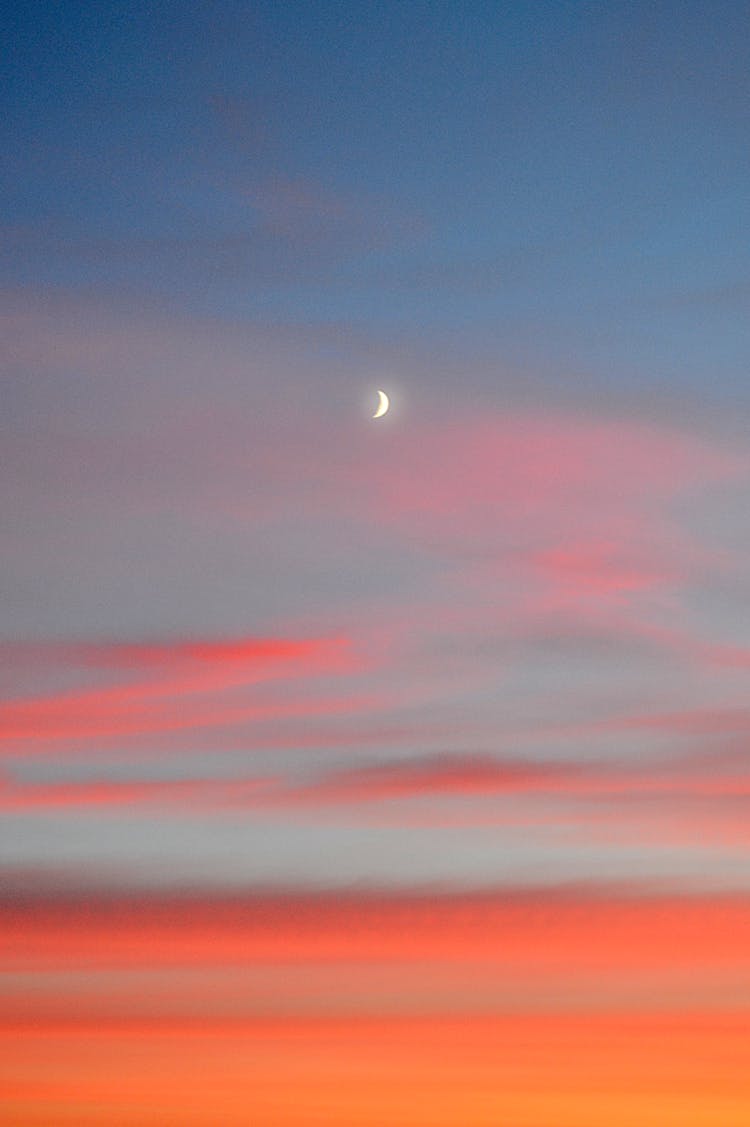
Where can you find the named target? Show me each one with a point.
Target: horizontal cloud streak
(672, 802)
(180, 676)
(575, 928)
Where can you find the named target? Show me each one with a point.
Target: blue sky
(557, 183)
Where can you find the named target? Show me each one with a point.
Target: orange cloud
(571, 929)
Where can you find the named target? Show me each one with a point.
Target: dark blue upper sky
(564, 184)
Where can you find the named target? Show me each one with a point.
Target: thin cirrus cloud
(177, 685)
(282, 229)
(477, 558)
(665, 803)
(431, 775)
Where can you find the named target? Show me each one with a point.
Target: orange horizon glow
(570, 1070)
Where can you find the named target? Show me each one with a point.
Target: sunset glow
(375, 630)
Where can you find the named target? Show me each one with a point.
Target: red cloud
(531, 929)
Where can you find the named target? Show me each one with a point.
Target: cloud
(175, 654)
(731, 720)
(465, 549)
(601, 568)
(277, 230)
(181, 685)
(533, 928)
(449, 775)
(442, 775)
(671, 801)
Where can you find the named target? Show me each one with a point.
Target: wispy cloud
(178, 685)
(678, 800)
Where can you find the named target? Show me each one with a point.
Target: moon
(383, 405)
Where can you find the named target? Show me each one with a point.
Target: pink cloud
(223, 654)
(462, 529)
(182, 685)
(601, 568)
(444, 777)
(526, 466)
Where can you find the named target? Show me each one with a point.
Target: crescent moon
(383, 405)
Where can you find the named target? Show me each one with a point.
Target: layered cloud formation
(359, 772)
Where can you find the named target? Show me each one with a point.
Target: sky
(375, 770)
